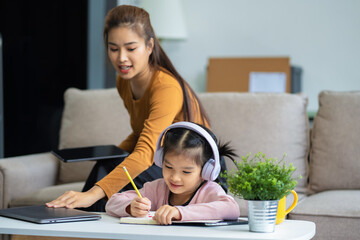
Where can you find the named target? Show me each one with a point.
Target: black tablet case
(101, 152)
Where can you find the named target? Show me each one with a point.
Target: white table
(110, 228)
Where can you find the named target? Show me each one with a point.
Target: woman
(155, 96)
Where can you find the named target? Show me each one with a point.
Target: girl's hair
(193, 145)
(138, 20)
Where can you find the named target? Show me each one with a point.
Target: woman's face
(128, 53)
(181, 174)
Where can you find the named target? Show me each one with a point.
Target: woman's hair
(138, 20)
(191, 144)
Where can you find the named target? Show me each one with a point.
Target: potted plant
(262, 182)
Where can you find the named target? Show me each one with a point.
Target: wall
(44, 53)
(322, 37)
(1, 104)
(96, 59)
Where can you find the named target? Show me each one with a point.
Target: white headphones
(211, 168)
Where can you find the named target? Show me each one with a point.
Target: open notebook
(207, 223)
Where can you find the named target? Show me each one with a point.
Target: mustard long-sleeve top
(159, 107)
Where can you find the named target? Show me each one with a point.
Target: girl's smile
(174, 186)
(182, 175)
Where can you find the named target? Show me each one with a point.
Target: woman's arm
(73, 199)
(129, 143)
(165, 104)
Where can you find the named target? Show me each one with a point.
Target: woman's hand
(140, 207)
(73, 199)
(165, 214)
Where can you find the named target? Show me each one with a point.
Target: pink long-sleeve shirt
(209, 202)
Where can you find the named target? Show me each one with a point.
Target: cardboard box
(233, 74)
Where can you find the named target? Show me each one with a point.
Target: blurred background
(49, 46)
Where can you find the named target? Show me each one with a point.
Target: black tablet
(90, 153)
(211, 223)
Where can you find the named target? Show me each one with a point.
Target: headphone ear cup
(208, 170)
(158, 157)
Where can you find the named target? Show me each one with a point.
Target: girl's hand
(72, 199)
(140, 207)
(165, 214)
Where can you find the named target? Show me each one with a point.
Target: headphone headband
(212, 167)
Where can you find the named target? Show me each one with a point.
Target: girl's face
(181, 174)
(128, 52)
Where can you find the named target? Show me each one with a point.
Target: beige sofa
(271, 123)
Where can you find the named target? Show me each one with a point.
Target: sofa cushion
(46, 194)
(268, 122)
(335, 213)
(335, 152)
(340, 203)
(90, 117)
(25, 174)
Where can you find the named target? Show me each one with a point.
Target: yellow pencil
(132, 182)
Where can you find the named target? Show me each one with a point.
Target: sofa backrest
(272, 123)
(268, 122)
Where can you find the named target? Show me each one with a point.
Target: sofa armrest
(25, 174)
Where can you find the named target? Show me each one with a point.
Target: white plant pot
(262, 215)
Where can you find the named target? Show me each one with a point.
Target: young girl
(189, 158)
(155, 96)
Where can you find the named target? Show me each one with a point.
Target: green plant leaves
(261, 178)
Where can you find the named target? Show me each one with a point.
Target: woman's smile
(124, 69)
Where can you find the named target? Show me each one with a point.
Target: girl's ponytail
(225, 150)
